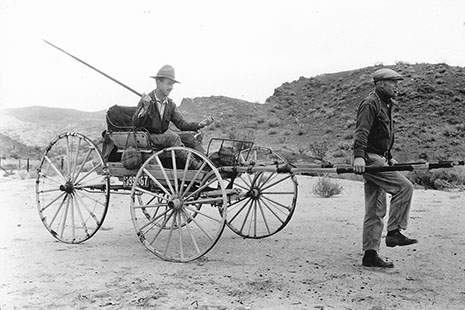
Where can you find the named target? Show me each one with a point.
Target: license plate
(143, 181)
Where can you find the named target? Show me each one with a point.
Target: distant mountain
(429, 117)
(37, 126)
(38, 114)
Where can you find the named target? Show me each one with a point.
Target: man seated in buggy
(156, 110)
(154, 113)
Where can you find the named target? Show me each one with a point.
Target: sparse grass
(273, 123)
(326, 188)
(339, 153)
(439, 178)
(346, 146)
(319, 149)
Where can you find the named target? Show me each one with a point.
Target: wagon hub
(67, 187)
(175, 204)
(255, 193)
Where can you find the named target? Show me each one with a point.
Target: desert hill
(428, 117)
(38, 114)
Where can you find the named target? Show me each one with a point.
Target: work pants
(170, 138)
(377, 184)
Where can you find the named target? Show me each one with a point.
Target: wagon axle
(254, 193)
(175, 204)
(68, 187)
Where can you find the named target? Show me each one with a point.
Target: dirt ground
(314, 263)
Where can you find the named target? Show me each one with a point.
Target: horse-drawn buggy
(179, 212)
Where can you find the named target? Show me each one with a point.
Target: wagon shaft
(316, 169)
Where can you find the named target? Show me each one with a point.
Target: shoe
(371, 259)
(397, 239)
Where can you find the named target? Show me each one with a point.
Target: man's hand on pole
(359, 165)
(145, 100)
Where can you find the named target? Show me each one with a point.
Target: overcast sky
(242, 49)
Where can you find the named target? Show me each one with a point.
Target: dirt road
(314, 263)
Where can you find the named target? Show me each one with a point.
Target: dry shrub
(319, 149)
(439, 178)
(326, 188)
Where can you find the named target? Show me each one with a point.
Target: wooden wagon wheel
(184, 222)
(72, 188)
(269, 200)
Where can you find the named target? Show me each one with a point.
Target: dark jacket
(157, 125)
(374, 130)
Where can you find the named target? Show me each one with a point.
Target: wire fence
(24, 167)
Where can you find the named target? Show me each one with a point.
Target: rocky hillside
(429, 117)
(36, 126)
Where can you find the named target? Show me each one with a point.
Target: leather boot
(395, 238)
(371, 259)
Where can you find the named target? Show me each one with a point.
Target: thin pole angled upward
(93, 68)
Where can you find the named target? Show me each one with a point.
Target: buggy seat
(121, 134)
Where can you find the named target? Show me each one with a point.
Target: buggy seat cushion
(119, 118)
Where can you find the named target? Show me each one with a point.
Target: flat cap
(386, 74)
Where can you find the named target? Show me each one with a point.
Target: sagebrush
(439, 178)
(325, 187)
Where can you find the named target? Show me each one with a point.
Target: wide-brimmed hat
(166, 71)
(386, 74)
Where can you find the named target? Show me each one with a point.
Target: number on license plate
(129, 181)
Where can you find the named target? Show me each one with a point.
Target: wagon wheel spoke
(54, 167)
(81, 218)
(235, 214)
(197, 178)
(274, 213)
(262, 213)
(158, 228)
(81, 166)
(154, 180)
(91, 214)
(72, 188)
(57, 212)
(152, 195)
(175, 172)
(276, 203)
(163, 171)
(150, 209)
(157, 222)
(190, 233)
(200, 189)
(185, 170)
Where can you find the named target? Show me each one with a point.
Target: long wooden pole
(309, 169)
(93, 68)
